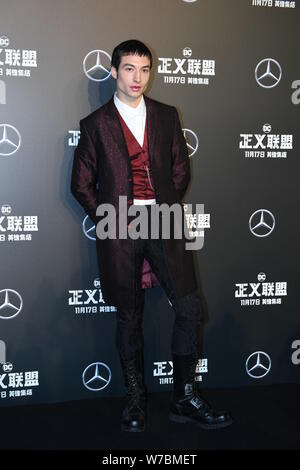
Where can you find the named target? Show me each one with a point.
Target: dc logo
(6, 209)
(4, 41)
(261, 277)
(7, 367)
(267, 128)
(187, 52)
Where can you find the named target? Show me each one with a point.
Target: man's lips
(135, 88)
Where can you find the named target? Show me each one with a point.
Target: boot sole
(186, 419)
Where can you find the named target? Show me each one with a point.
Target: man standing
(133, 146)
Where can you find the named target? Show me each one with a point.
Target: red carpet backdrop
(232, 69)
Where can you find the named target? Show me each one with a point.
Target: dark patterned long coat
(102, 172)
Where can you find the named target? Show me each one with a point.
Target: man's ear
(114, 72)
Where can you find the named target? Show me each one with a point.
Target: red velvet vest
(139, 159)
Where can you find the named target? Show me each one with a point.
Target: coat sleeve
(181, 164)
(84, 173)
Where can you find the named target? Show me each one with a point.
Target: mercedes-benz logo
(192, 141)
(258, 364)
(268, 73)
(10, 139)
(96, 65)
(262, 223)
(11, 304)
(96, 376)
(89, 228)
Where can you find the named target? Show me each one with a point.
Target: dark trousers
(188, 311)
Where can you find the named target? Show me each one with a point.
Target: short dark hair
(132, 46)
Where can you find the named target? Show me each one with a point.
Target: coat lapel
(115, 127)
(152, 126)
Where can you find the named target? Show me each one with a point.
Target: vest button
(129, 179)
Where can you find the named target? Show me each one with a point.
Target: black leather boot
(134, 415)
(187, 405)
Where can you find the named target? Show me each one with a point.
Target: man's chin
(135, 95)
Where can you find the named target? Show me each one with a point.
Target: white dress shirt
(135, 119)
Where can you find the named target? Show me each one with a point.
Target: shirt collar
(129, 111)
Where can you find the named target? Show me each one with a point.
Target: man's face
(132, 78)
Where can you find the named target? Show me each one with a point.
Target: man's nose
(137, 76)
